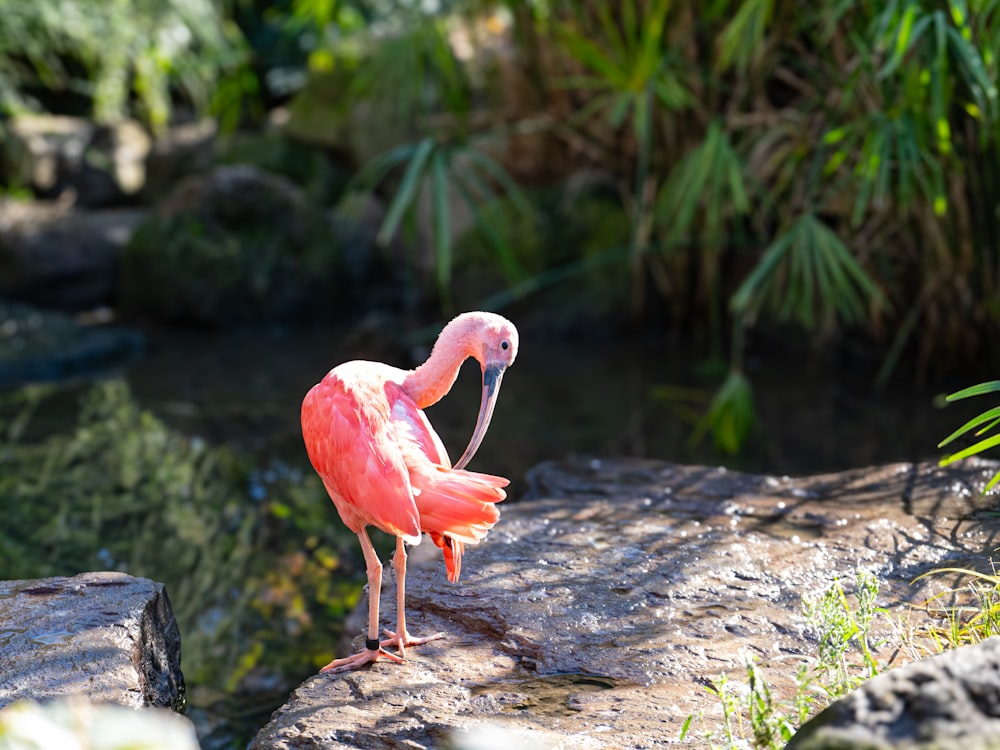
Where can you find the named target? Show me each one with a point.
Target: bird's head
(492, 340)
(497, 342)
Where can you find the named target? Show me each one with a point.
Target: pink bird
(384, 466)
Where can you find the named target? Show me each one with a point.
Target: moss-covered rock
(235, 245)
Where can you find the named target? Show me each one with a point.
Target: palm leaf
(991, 415)
(972, 450)
(502, 178)
(807, 271)
(731, 414)
(975, 390)
(407, 190)
(442, 221)
(744, 34)
(709, 178)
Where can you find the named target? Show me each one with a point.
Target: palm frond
(809, 276)
(704, 191)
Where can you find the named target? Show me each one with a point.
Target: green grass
(752, 716)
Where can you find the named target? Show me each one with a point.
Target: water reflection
(561, 397)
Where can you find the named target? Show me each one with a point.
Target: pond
(565, 395)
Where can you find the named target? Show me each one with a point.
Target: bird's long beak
(492, 375)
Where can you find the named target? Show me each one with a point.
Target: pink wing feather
(352, 445)
(456, 507)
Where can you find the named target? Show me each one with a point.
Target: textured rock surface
(947, 702)
(107, 636)
(600, 606)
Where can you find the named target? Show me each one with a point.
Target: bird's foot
(406, 640)
(359, 659)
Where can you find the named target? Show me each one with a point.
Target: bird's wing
(351, 442)
(416, 437)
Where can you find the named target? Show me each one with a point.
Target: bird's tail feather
(452, 554)
(457, 508)
(461, 504)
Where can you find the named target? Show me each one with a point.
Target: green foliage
(441, 168)
(705, 191)
(809, 276)
(835, 167)
(569, 248)
(838, 625)
(730, 415)
(968, 623)
(109, 51)
(248, 556)
(831, 167)
(752, 717)
(985, 422)
(240, 245)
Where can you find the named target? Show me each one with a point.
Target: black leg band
(372, 644)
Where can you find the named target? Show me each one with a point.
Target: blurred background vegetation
(695, 200)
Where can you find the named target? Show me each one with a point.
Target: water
(546, 695)
(561, 397)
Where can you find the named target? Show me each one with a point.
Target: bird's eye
(505, 345)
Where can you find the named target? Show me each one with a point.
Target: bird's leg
(373, 648)
(401, 638)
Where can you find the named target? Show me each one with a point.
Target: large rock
(106, 636)
(948, 702)
(61, 257)
(599, 608)
(75, 159)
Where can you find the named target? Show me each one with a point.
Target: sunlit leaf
(972, 450)
(975, 390)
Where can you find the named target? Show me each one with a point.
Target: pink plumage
(384, 466)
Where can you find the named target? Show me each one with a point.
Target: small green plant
(753, 717)
(970, 622)
(982, 424)
(838, 625)
(122, 57)
(980, 618)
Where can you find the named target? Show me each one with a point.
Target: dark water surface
(562, 397)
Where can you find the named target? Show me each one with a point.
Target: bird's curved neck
(429, 382)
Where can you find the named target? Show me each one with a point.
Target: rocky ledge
(106, 636)
(603, 603)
